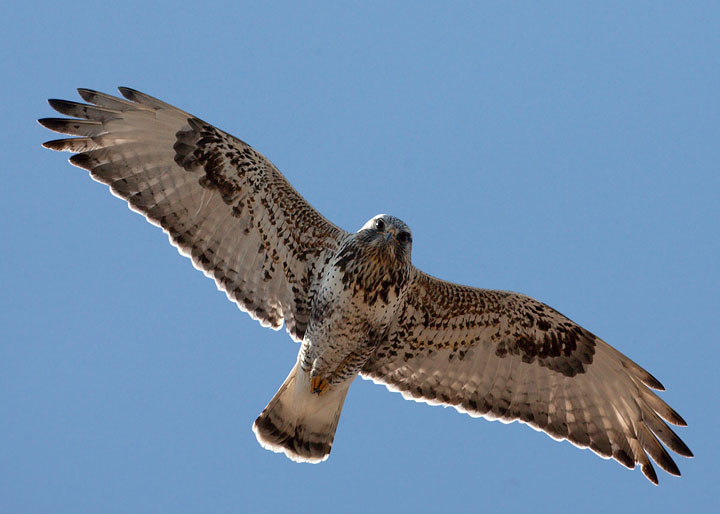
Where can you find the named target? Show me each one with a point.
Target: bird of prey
(355, 301)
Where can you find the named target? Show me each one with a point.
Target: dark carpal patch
(566, 351)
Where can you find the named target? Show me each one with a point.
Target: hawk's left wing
(505, 356)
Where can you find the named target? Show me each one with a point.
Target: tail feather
(298, 423)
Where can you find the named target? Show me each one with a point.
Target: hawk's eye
(404, 237)
(379, 225)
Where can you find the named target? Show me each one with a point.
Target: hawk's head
(389, 236)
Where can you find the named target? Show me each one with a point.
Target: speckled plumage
(354, 300)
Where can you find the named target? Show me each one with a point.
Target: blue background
(566, 150)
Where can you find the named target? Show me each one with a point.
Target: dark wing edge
(505, 356)
(222, 204)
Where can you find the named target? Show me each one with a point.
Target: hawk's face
(389, 236)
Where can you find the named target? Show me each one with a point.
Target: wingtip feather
(60, 105)
(50, 145)
(649, 471)
(82, 160)
(48, 123)
(678, 419)
(59, 145)
(129, 92)
(85, 92)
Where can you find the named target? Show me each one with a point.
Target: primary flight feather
(355, 301)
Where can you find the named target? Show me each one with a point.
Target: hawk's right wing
(222, 203)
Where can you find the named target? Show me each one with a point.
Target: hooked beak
(391, 234)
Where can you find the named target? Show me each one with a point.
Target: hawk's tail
(299, 423)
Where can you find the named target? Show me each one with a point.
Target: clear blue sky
(567, 152)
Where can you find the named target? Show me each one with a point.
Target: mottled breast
(365, 279)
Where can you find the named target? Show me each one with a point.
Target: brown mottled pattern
(221, 202)
(517, 324)
(355, 300)
(363, 288)
(506, 356)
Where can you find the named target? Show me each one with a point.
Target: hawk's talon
(318, 385)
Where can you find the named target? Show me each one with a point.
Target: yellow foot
(318, 385)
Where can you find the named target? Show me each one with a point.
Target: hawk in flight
(354, 301)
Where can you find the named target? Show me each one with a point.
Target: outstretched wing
(222, 203)
(505, 356)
